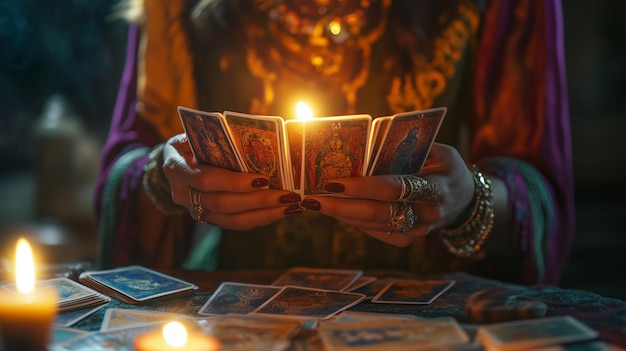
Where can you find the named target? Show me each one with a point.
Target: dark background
(75, 48)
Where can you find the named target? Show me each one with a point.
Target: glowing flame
(175, 334)
(335, 27)
(303, 111)
(24, 267)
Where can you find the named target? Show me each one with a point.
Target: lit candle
(173, 337)
(303, 112)
(26, 315)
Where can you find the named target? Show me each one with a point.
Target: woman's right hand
(229, 199)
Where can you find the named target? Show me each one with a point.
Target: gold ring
(401, 218)
(415, 188)
(195, 197)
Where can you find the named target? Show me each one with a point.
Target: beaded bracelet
(156, 186)
(467, 239)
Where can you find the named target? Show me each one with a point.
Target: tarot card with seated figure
(136, 284)
(412, 291)
(320, 278)
(210, 139)
(335, 147)
(237, 298)
(407, 142)
(260, 142)
(308, 303)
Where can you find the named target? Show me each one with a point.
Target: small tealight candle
(174, 336)
(26, 315)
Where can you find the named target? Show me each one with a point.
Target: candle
(174, 336)
(27, 314)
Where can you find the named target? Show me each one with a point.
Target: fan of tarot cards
(301, 155)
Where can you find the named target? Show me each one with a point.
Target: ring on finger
(195, 197)
(415, 188)
(401, 218)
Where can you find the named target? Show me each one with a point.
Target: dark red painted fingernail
(334, 187)
(293, 209)
(260, 183)
(289, 198)
(311, 204)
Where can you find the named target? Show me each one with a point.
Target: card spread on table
(135, 284)
(69, 318)
(533, 333)
(298, 302)
(412, 291)
(115, 318)
(237, 298)
(320, 278)
(301, 155)
(433, 333)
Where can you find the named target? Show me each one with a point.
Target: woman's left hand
(368, 206)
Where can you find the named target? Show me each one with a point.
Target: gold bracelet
(468, 239)
(156, 186)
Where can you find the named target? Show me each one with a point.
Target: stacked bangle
(156, 186)
(467, 239)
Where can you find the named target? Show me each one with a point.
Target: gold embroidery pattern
(419, 91)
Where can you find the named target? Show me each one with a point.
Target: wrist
(155, 184)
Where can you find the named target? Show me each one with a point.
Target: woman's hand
(368, 206)
(231, 200)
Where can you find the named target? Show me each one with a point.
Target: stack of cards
(533, 333)
(136, 284)
(302, 155)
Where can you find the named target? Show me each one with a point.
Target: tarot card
(534, 333)
(412, 291)
(61, 335)
(135, 284)
(298, 302)
(69, 318)
(335, 147)
(260, 142)
(407, 142)
(294, 140)
(115, 318)
(380, 126)
(117, 339)
(354, 317)
(210, 139)
(252, 333)
(388, 334)
(237, 298)
(320, 278)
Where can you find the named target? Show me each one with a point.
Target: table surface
(606, 315)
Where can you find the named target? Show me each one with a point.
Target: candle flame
(24, 267)
(303, 111)
(335, 27)
(175, 334)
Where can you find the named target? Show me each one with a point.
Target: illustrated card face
(209, 139)
(309, 303)
(336, 147)
(379, 129)
(327, 279)
(115, 318)
(259, 142)
(407, 142)
(533, 333)
(412, 291)
(294, 135)
(389, 334)
(140, 283)
(69, 318)
(237, 298)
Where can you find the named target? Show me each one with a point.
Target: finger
(250, 219)
(231, 203)
(368, 210)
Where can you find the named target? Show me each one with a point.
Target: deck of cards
(302, 155)
(136, 284)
